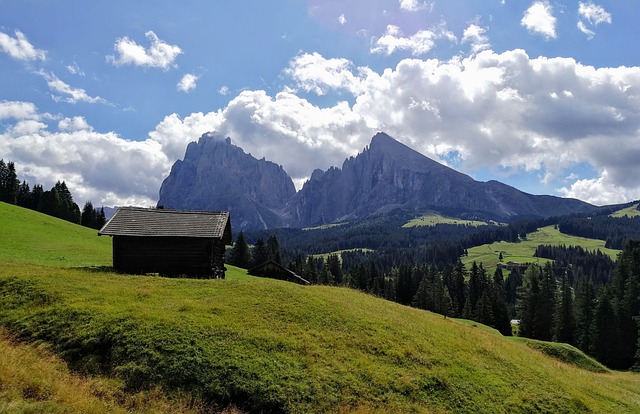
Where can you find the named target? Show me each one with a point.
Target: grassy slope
(522, 252)
(266, 344)
(435, 218)
(31, 237)
(629, 212)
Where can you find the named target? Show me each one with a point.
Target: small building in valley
(273, 270)
(169, 242)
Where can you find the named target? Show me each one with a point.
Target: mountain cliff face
(216, 175)
(390, 175)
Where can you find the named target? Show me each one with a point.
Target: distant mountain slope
(389, 175)
(216, 175)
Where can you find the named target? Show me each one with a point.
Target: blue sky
(542, 95)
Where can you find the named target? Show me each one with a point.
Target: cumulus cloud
(314, 73)
(342, 19)
(592, 15)
(158, 55)
(476, 36)
(491, 110)
(19, 47)
(539, 19)
(223, 90)
(187, 83)
(74, 95)
(17, 110)
(101, 167)
(418, 44)
(415, 5)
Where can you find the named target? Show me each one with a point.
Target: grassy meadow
(433, 218)
(629, 212)
(247, 344)
(522, 252)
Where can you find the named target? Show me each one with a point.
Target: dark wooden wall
(170, 256)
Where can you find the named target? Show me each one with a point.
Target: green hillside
(264, 345)
(31, 237)
(631, 211)
(522, 252)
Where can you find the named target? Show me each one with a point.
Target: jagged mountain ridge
(388, 175)
(218, 175)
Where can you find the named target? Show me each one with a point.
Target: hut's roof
(149, 222)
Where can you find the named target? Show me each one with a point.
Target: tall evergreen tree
(273, 249)
(240, 253)
(604, 331)
(335, 268)
(528, 302)
(564, 320)
(259, 252)
(546, 304)
(500, 308)
(404, 285)
(583, 310)
(88, 217)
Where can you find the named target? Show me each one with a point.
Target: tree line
(57, 202)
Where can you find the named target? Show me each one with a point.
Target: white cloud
(77, 123)
(187, 83)
(75, 69)
(475, 35)
(159, 54)
(101, 167)
(17, 110)
(583, 28)
(600, 191)
(342, 19)
(593, 13)
(418, 44)
(313, 73)
(74, 94)
(539, 19)
(502, 111)
(415, 5)
(223, 90)
(20, 48)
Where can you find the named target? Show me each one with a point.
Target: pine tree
(240, 254)
(88, 217)
(564, 321)
(500, 308)
(583, 310)
(273, 249)
(404, 285)
(528, 302)
(335, 267)
(546, 304)
(604, 331)
(259, 253)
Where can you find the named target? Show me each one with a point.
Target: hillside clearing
(433, 218)
(522, 252)
(630, 212)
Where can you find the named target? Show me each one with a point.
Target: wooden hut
(169, 242)
(273, 270)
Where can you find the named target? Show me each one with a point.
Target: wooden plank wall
(171, 256)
